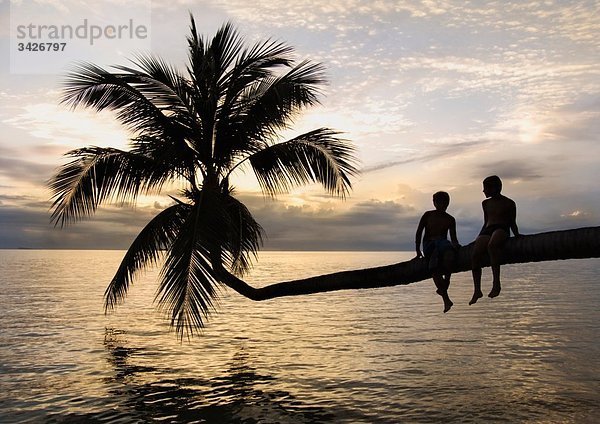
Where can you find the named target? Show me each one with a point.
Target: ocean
(385, 355)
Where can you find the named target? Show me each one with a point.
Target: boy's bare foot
(476, 296)
(495, 291)
(447, 304)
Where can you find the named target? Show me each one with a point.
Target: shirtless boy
(436, 246)
(499, 216)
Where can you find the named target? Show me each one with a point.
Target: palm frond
(217, 230)
(146, 249)
(202, 67)
(173, 153)
(244, 236)
(195, 45)
(162, 85)
(271, 103)
(92, 86)
(99, 174)
(252, 65)
(317, 156)
(188, 287)
(224, 48)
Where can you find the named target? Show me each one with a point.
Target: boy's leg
(440, 284)
(479, 250)
(442, 289)
(447, 302)
(447, 281)
(449, 259)
(495, 250)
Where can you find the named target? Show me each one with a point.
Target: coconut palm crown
(225, 114)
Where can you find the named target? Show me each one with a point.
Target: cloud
(365, 225)
(368, 225)
(576, 121)
(513, 169)
(26, 223)
(59, 125)
(16, 198)
(20, 170)
(316, 225)
(438, 152)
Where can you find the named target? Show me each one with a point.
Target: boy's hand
(419, 253)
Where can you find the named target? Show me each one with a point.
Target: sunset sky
(436, 95)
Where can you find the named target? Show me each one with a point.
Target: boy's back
(436, 224)
(499, 210)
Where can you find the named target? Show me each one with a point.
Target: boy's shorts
(434, 249)
(441, 245)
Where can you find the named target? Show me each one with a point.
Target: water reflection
(119, 356)
(241, 395)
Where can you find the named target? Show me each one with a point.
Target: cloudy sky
(436, 95)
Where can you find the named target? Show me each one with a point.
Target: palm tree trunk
(556, 245)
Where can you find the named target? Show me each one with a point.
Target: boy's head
(441, 200)
(492, 185)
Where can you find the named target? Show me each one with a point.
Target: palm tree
(198, 128)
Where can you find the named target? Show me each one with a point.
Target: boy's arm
(484, 207)
(513, 220)
(419, 235)
(453, 233)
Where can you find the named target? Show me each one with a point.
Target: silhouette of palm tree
(198, 128)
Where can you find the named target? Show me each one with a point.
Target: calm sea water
(383, 355)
